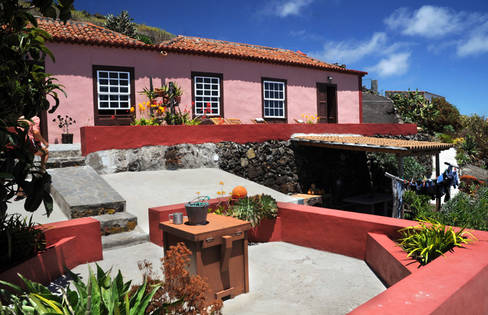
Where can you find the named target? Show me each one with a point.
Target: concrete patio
(284, 278)
(143, 190)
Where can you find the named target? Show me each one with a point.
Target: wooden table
(219, 252)
(371, 200)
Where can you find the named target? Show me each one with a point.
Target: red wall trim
(129, 137)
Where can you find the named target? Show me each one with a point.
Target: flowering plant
(310, 119)
(64, 122)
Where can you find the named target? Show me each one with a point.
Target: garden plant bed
(453, 283)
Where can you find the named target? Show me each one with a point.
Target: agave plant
(101, 295)
(431, 239)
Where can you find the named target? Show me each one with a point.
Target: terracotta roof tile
(372, 143)
(221, 48)
(87, 33)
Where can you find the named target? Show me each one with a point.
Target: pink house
(102, 72)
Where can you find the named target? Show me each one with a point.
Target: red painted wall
(68, 244)
(452, 284)
(127, 137)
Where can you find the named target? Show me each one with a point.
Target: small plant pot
(197, 213)
(67, 138)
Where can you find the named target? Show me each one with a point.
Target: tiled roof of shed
(87, 33)
(221, 48)
(358, 143)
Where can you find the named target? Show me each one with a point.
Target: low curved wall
(68, 244)
(129, 137)
(451, 284)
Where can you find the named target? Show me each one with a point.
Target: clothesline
(406, 181)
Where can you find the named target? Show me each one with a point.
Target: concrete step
(80, 192)
(65, 162)
(118, 222)
(137, 236)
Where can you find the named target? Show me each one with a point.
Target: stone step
(80, 192)
(137, 236)
(65, 162)
(64, 150)
(118, 222)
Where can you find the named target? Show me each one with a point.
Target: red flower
(113, 117)
(208, 105)
(193, 102)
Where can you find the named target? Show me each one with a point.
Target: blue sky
(440, 47)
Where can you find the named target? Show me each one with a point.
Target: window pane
(114, 104)
(102, 74)
(114, 97)
(123, 75)
(114, 82)
(124, 105)
(215, 80)
(114, 75)
(114, 89)
(123, 82)
(103, 97)
(124, 90)
(103, 104)
(124, 97)
(102, 82)
(104, 89)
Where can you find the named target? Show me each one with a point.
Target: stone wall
(271, 163)
(152, 158)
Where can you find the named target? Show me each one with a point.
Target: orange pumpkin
(239, 192)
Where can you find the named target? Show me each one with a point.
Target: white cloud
(477, 42)
(395, 64)
(284, 8)
(429, 21)
(350, 51)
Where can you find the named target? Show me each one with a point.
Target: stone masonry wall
(280, 165)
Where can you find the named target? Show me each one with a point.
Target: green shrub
(466, 210)
(475, 143)
(416, 206)
(463, 210)
(431, 239)
(254, 209)
(20, 239)
(101, 295)
(380, 163)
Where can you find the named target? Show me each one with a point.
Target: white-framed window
(207, 95)
(274, 95)
(113, 89)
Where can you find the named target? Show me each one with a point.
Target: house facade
(103, 72)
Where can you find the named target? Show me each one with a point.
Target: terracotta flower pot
(268, 230)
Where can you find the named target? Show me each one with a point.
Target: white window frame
(215, 104)
(276, 99)
(109, 93)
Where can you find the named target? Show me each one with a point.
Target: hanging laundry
(397, 189)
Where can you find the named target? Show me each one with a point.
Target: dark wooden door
(327, 103)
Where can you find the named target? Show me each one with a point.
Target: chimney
(374, 86)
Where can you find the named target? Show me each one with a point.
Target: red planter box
(68, 244)
(268, 230)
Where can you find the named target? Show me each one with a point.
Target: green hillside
(146, 33)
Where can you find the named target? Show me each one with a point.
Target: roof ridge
(238, 43)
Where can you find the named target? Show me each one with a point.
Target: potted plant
(64, 123)
(197, 210)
